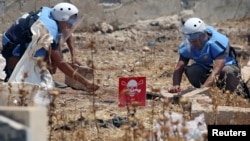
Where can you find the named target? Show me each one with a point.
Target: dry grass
(77, 115)
(83, 117)
(72, 122)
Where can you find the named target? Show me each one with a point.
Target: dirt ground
(149, 51)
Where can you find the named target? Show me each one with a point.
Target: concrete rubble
(201, 103)
(23, 123)
(223, 115)
(12, 130)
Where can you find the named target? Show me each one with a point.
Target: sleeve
(184, 51)
(184, 59)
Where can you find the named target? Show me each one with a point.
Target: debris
(176, 126)
(2, 65)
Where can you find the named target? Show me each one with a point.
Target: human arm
(69, 39)
(218, 66)
(69, 71)
(70, 43)
(177, 76)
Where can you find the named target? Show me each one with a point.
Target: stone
(30, 120)
(2, 65)
(87, 72)
(245, 72)
(11, 130)
(222, 115)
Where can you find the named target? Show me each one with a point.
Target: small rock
(146, 49)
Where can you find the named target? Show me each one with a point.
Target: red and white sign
(132, 89)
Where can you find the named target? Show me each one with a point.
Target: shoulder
(46, 9)
(48, 21)
(184, 50)
(211, 29)
(45, 15)
(217, 38)
(217, 44)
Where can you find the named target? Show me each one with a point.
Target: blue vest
(216, 45)
(15, 32)
(51, 25)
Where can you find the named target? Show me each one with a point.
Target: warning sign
(132, 89)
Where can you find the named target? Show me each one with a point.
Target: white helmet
(193, 25)
(63, 11)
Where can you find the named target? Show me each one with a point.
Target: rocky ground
(147, 48)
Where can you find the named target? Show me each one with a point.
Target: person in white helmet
(215, 62)
(58, 20)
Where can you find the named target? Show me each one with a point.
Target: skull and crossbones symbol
(132, 86)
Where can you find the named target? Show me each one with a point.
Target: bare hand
(92, 87)
(175, 89)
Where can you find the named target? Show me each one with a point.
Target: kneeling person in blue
(57, 20)
(215, 61)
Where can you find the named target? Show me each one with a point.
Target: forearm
(176, 81)
(212, 77)
(71, 46)
(178, 71)
(210, 80)
(177, 76)
(69, 71)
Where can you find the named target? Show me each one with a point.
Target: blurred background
(126, 11)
